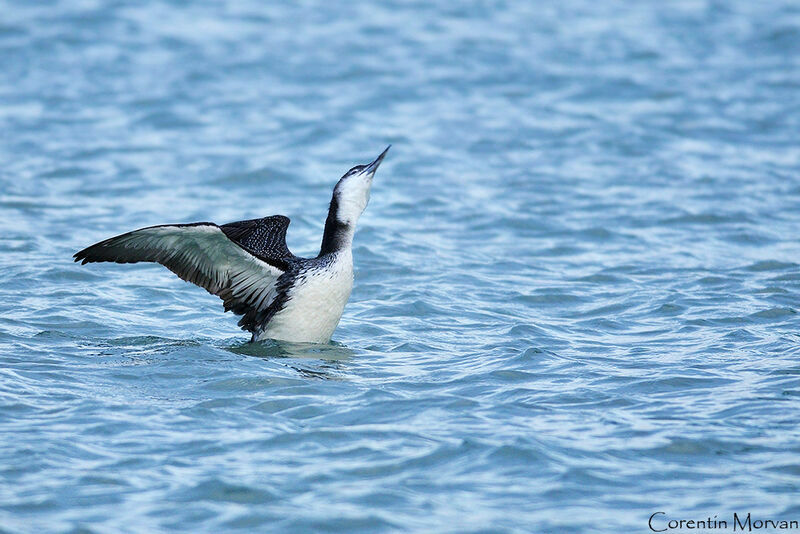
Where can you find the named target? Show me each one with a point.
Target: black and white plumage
(248, 265)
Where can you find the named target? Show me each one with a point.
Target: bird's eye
(355, 170)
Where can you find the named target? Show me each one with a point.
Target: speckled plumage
(265, 237)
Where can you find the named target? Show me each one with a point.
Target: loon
(248, 265)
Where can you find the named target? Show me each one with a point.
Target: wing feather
(201, 253)
(264, 237)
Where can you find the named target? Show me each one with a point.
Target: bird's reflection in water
(332, 355)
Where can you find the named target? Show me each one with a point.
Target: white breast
(315, 305)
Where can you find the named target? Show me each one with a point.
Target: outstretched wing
(249, 284)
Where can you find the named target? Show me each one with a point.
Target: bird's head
(351, 193)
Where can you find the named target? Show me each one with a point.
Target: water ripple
(576, 288)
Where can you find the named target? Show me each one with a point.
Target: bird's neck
(338, 236)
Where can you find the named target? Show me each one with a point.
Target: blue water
(577, 279)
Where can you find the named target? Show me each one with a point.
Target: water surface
(577, 279)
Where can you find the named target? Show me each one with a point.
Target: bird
(247, 264)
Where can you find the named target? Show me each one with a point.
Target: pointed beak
(372, 167)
